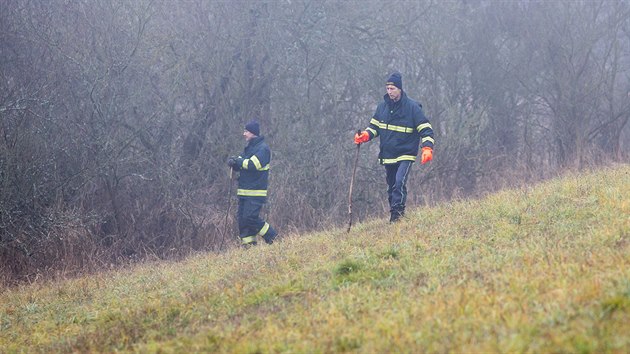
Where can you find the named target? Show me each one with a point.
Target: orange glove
(427, 154)
(362, 137)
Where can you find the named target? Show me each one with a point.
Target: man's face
(248, 135)
(393, 92)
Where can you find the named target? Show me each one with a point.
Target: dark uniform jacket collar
(255, 141)
(391, 103)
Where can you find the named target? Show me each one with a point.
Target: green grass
(539, 269)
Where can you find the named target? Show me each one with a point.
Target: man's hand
(233, 162)
(427, 155)
(362, 137)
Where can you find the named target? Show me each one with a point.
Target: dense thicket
(117, 116)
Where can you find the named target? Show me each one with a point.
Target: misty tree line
(117, 116)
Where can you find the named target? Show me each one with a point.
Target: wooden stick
(227, 212)
(354, 171)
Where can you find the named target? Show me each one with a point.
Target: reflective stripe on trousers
(249, 222)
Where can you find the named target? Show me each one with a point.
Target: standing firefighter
(403, 128)
(253, 165)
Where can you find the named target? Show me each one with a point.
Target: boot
(269, 237)
(396, 215)
(268, 234)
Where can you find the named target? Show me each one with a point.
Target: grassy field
(539, 269)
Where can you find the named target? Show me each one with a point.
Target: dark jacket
(254, 167)
(402, 128)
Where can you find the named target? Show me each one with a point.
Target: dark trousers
(397, 174)
(249, 222)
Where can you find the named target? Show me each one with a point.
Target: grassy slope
(543, 269)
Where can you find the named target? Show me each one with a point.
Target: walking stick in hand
(227, 212)
(354, 170)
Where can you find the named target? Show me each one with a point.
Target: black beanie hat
(253, 127)
(395, 79)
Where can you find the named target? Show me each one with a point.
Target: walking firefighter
(253, 167)
(403, 129)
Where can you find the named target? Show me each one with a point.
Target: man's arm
(259, 161)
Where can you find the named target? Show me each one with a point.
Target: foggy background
(117, 116)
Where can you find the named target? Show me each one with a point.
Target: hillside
(539, 269)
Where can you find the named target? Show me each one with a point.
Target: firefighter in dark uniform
(403, 130)
(253, 165)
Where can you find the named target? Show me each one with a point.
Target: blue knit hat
(253, 127)
(395, 79)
